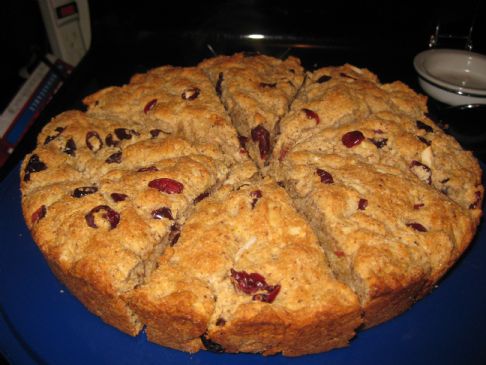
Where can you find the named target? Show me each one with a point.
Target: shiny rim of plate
(418, 63)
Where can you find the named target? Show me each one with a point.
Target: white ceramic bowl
(452, 76)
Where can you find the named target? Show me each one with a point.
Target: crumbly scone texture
(237, 207)
(257, 91)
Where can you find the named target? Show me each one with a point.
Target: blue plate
(42, 323)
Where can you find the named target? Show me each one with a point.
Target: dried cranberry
(323, 79)
(123, 133)
(93, 141)
(422, 171)
(266, 85)
(475, 204)
(83, 191)
(254, 283)
(211, 346)
(219, 90)
(283, 153)
(155, 133)
(109, 214)
(262, 136)
(339, 253)
(48, 139)
(149, 106)
(379, 143)
(149, 168)
(362, 204)
(268, 297)
(325, 176)
(281, 184)
(310, 114)
(110, 142)
(248, 283)
(191, 93)
(163, 212)
(243, 140)
(175, 233)
(256, 195)
(352, 138)
(39, 214)
(424, 141)
(220, 322)
(167, 185)
(114, 158)
(417, 226)
(201, 197)
(34, 165)
(118, 197)
(425, 127)
(378, 131)
(418, 206)
(70, 147)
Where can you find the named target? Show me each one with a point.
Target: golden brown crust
(149, 210)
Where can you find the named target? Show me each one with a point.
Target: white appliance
(68, 28)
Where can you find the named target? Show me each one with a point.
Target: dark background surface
(130, 37)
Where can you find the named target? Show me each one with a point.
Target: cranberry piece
(149, 106)
(378, 131)
(93, 141)
(281, 184)
(323, 79)
(83, 191)
(220, 322)
(167, 185)
(379, 143)
(339, 253)
(114, 158)
(418, 206)
(34, 165)
(149, 168)
(424, 141)
(266, 85)
(219, 90)
(175, 233)
(110, 141)
(123, 133)
(211, 346)
(283, 153)
(109, 214)
(163, 212)
(39, 214)
(260, 134)
(243, 140)
(191, 93)
(70, 147)
(118, 197)
(256, 195)
(154, 133)
(59, 130)
(417, 226)
(425, 127)
(422, 171)
(310, 114)
(352, 138)
(475, 204)
(362, 204)
(268, 297)
(248, 283)
(201, 197)
(325, 176)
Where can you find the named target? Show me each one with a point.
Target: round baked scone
(237, 207)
